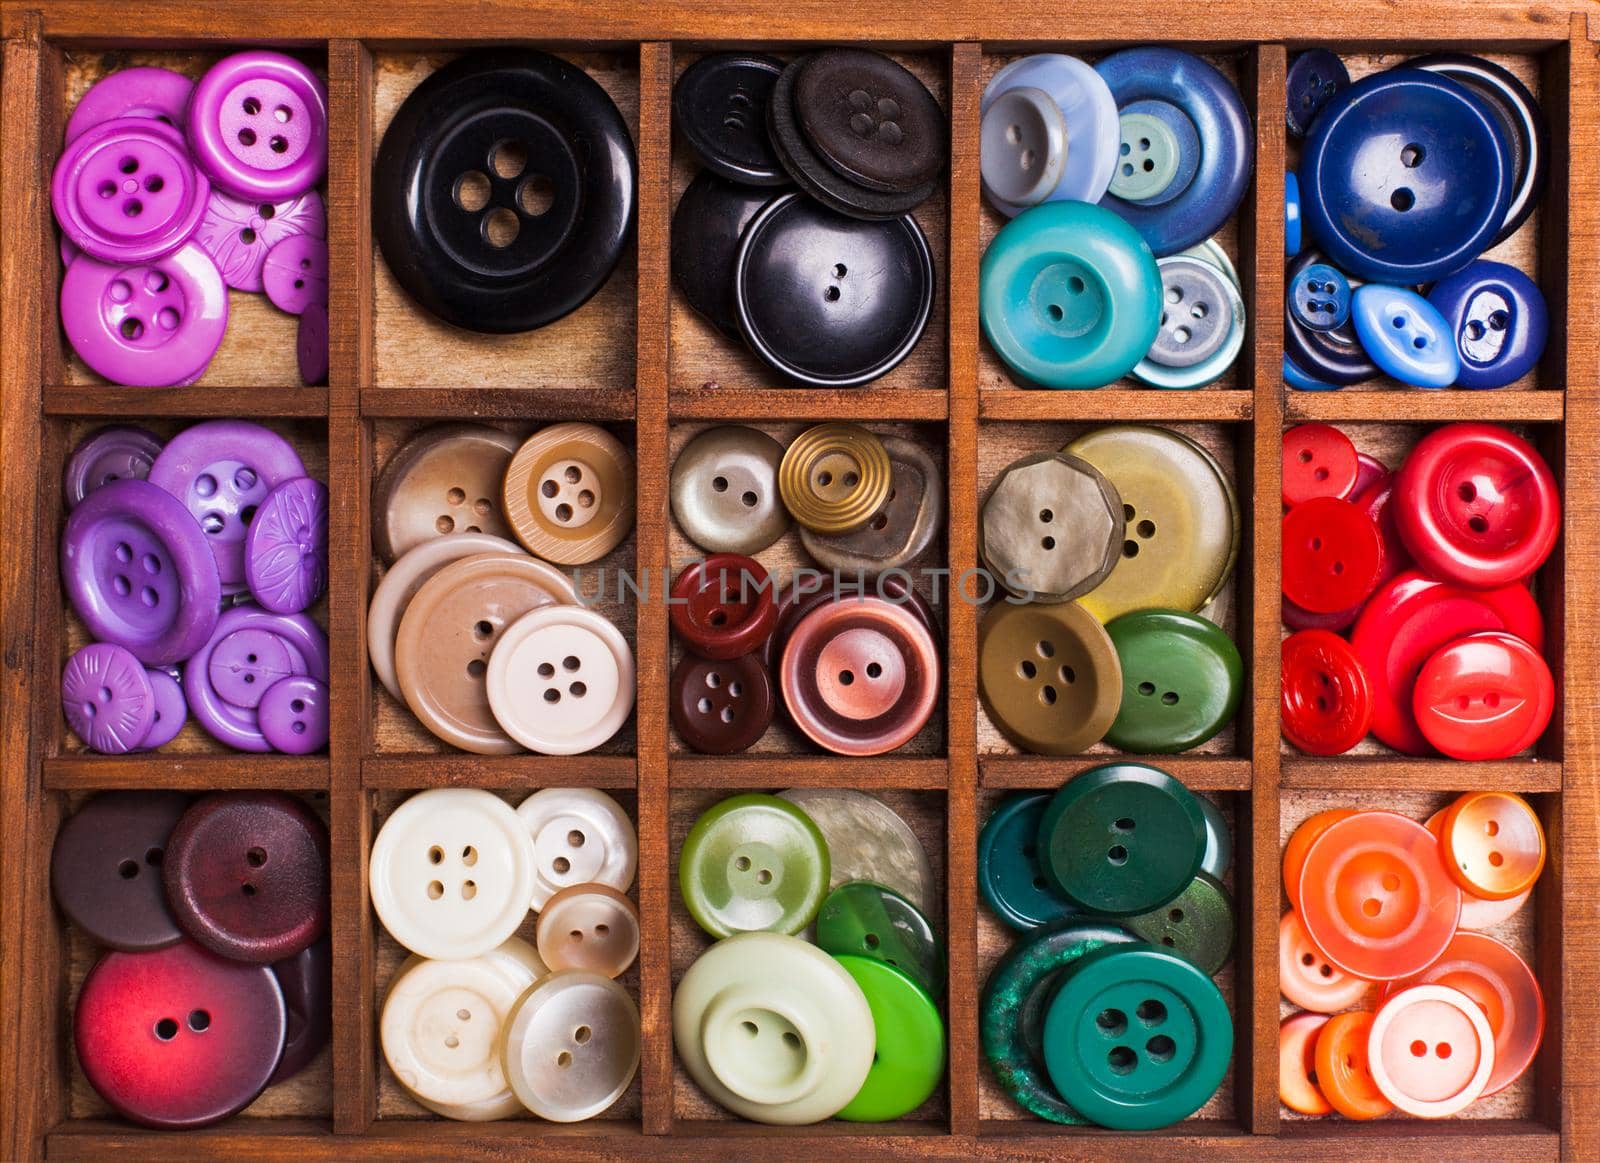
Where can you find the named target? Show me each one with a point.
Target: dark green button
(1137, 1038)
(1182, 678)
(1198, 924)
(1219, 841)
(1122, 839)
(908, 1059)
(870, 920)
(1009, 875)
(753, 862)
(1013, 1008)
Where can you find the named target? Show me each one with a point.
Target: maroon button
(178, 1038)
(1332, 555)
(1318, 461)
(307, 983)
(1369, 471)
(723, 607)
(106, 868)
(247, 875)
(720, 707)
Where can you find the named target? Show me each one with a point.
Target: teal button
(1009, 876)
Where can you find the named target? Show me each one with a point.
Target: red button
(1327, 700)
(1486, 696)
(1477, 505)
(1332, 555)
(1376, 502)
(722, 607)
(1369, 471)
(1318, 461)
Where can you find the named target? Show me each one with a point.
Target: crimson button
(1318, 461)
(1332, 555)
(722, 607)
(1327, 700)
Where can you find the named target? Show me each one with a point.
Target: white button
(561, 680)
(589, 926)
(580, 836)
(572, 1046)
(867, 840)
(452, 872)
(773, 1028)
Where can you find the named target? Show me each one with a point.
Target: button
(807, 594)
(719, 104)
(1480, 913)
(871, 920)
(1344, 1070)
(753, 862)
(1318, 461)
(1315, 77)
(295, 273)
(1305, 975)
(1405, 335)
(452, 873)
(1376, 897)
(591, 927)
(1009, 874)
(294, 715)
(711, 216)
(1370, 472)
(1219, 840)
(560, 680)
(721, 708)
(1050, 104)
(868, 840)
(572, 1045)
(1319, 297)
(1431, 1051)
(447, 634)
(238, 233)
(1157, 151)
(1293, 232)
(171, 709)
(1493, 844)
(725, 490)
(899, 532)
(1051, 527)
(139, 92)
(107, 698)
(580, 836)
(247, 875)
(504, 190)
(1049, 676)
(1327, 698)
(286, 547)
(1332, 555)
(1121, 839)
(311, 345)
(1294, 852)
(1196, 924)
(1181, 520)
(1069, 296)
(250, 650)
(1297, 1064)
(125, 191)
(307, 983)
(1323, 360)
(105, 869)
(115, 453)
(1390, 203)
(908, 1057)
(1182, 679)
(138, 571)
(834, 477)
(258, 125)
(831, 301)
(1202, 325)
(569, 493)
(1485, 696)
(1137, 1038)
(722, 606)
(1499, 320)
(1477, 505)
(870, 119)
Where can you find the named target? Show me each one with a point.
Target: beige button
(589, 926)
(898, 532)
(725, 491)
(572, 1045)
(1051, 527)
(446, 479)
(569, 493)
(834, 477)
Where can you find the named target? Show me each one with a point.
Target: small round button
(721, 707)
(1480, 913)
(569, 493)
(1315, 77)
(1405, 335)
(1293, 229)
(1327, 698)
(293, 714)
(138, 92)
(286, 547)
(1498, 319)
(114, 453)
(445, 479)
(1306, 977)
(1344, 1068)
(239, 232)
(1485, 696)
(834, 477)
(1294, 852)
(871, 920)
(307, 983)
(592, 927)
(908, 1056)
(107, 698)
(722, 606)
(1431, 1051)
(725, 490)
(1009, 873)
(1318, 461)
(1049, 676)
(1037, 112)
(1319, 297)
(126, 191)
(1182, 679)
(871, 119)
(1051, 528)
(171, 709)
(250, 650)
(561, 680)
(719, 104)
(1297, 1064)
(580, 836)
(1332, 555)
(295, 273)
(258, 125)
(572, 1045)
(753, 862)
(867, 840)
(1152, 156)
(1493, 844)
(1196, 924)
(901, 530)
(1023, 150)
(105, 869)
(1202, 325)
(1321, 360)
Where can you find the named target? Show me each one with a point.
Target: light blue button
(1405, 335)
(1016, 156)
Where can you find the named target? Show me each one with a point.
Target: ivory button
(580, 836)
(591, 927)
(725, 490)
(561, 680)
(867, 840)
(901, 530)
(572, 1045)
(569, 493)
(446, 479)
(1051, 527)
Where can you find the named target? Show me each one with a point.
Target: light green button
(1148, 160)
(753, 862)
(908, 1060)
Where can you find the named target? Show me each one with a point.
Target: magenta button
(116, 453)
(107, 698)
(126, 191)
(296, 273)
(258, 125)
(142, 92)
(223, 670)
(237, 234)
(311, 345)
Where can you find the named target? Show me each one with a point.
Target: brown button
(1051, 527)
(446, 479)
(720, 708)
(899, 531)
(722, 607)
(1048, 676)
(834, 477)
(797, 602)
(106, 868)
(569, 493)
(589, 926)
(446, 635)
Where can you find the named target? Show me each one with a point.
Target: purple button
(142, 92)
(222, 470)
(171, 709)
(307, 983)
(258, 125)
(238, 233)
(146, 325)
(245, 663)
(107, 698)
(126, 191)
(311, 345)
(241, 632)
(139, 572)
(118, 453)
(69, 251)
(294, 715)
(286, 548)
(296, 273)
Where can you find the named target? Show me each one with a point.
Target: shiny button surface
(908, 1055)
(834, 477)
(753, 862)
(1182, 680)
(1431, 1051)
(867, 841)
(105, 868)
(580, 836)
(445, 479)
(561, 680)
(1486, 696)
(866, 919)
(901, 530)
(725, 490)
(569, 493)
(572, 1045)
(1049, 676)
(721, 707)
(722, 606)
(1051, 528)
(1306, 977)
(1493, 844)
(591, 927)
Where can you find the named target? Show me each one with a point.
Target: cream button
(867, 840)
(572, 1045)
(725, 490)
(452, 872)
(446, 479)
(569, 493)
(580, 836)
(561, 680)
(589, 926)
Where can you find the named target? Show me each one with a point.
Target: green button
(1013, 1005)
(1197, 924)
(1122, 839)
(1137, 1038)
(864, 919)
(1219, 841)
(1009, 876)
(1182, 679)
(1147, 159)
(753, 863)
(908, 1061)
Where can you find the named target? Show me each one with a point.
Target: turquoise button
(1009, 875)
(1405, 335)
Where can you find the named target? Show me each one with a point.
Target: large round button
(871, 920)
(1344, 1069)
(445, 479)
(1327, 698)
(1036, 113)
(307, 983)
(569, 493)
(592, 927)
(1315, 77)
(572, 1045)
(1306, 977)
(1196, 924)
(105, 869)
(561, 680)
(706, 227)
(908, 1054)
(580, 836)
(107, 698)
(1009, 875)
(834, 477)
(725, 490)
(1332, 555)
(127, 191)
(753, 862)
(1051, 528)
(286, 547)
(1300, 841)
(1049, 676)
(719, 104)
(867, 840)
(1493, 844)
(1431, 1051)
(722, 606)
(250, 651)
(258, 125)
(898, 533)
(115, 453)
(1498, 320)
(1485, 696)
(721, 708)
(1182, 679)
(871, 120)
(504, 190)
(1297, 1064)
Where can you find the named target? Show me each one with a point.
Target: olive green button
(1182, 679)
(1122, 839)
(869, 920)
(908, 1060)
(725, 490)
(1048, 676)
(1197, 924)
(901, 530)
(753, 862)
(1051, 527)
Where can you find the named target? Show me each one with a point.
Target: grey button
(1051, 527)
(901, 529)
(1024, 146)
(1196, 312)
(725, 490)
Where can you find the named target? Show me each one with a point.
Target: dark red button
(247, 875)
(178, 1038)
(1299, 618)
(1369, 471)
(106, 868)
(1327, 700)
(1485, 696)
(723, 607)
(1332, 555)
(307, 983)
(1377, 502)
(721, 707)
(1318, 461)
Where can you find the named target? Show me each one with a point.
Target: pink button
(295, 273)
(258, 125)
(126, 190)
(238, 233)
(1430, 1051)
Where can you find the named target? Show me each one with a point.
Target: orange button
(1480, 913)
(1297, 1064)
(1294, 853)
(1306, 977)
(1430, 1051)
(1493, 844)
(1343, 1073)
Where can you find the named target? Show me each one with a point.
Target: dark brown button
(247, 875)
(446, 479)
(871, 119)
(307, 983)
(721, 707)
(106, 868)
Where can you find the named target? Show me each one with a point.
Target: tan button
(446, 479)
(834, 477)
(446, 636)
(569, 493)
(1048, 676)
(1051, 527)
(589, 926)
(725, 491)
(898, 532)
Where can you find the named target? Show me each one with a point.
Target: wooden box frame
(37, 407)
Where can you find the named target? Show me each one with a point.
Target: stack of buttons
(1115, 178)
(833, 285)
(217, 979)
(1108, 550)
(480, 1024)
(1105, 1011)
(1385, 932)
(205, 551)
(169, 192)
(486, 644)
(1406, 177)
(1408, 592)
(819, 997)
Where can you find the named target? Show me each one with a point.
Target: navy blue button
(1332, 357)
(1319, 297)
(1009, 875)
(1291, 214)
(1297, 379)
(1499, 321)
(1405, 335)
(1315, 78)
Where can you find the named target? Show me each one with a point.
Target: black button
(706, 226)
(504, 191)
(106, 869)
(871, 119)
(1334, 357)
(720, 104)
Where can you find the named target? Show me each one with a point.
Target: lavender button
(217, 673)
(296, 273)
(107, 698)
(171, 710)
(311, 345)
(238, 233)
(258, 125)
(126, 191)
(245, 663)
(142, 92)
(294, 715)
(119, 453)
(286, 548)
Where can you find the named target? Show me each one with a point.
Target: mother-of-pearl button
(572, 1045)
(580, 836)
(452, 872)
(867, 840)
(589, 926)
(773, 1028)
(561, 680)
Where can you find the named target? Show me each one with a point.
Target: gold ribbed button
(834, 477)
